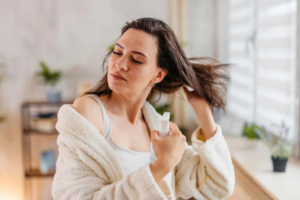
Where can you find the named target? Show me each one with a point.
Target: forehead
(138, 40)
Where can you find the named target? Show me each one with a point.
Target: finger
(154, 134)
(175, 130)
(176, 133)
(173, 126)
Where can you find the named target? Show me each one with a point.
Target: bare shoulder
(89, 108)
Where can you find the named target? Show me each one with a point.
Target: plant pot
(53, 95)
(279, 164)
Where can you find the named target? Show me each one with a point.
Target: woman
(106, 135)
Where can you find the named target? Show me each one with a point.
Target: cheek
(110, 62)
(141, 77)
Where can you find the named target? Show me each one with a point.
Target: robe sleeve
(206, 170)
(79, 176)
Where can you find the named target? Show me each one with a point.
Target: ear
(160, 76)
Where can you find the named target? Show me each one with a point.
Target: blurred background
(52, 50)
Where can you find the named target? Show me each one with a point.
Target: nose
(121, 63)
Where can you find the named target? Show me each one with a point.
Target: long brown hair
(206, 76)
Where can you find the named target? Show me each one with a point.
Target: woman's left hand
(194, 99)
(203, 113)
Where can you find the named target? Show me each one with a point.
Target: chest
(134, 137)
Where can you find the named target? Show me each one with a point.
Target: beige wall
(201, 39)
(71, 36)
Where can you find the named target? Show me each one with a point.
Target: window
(262, 45)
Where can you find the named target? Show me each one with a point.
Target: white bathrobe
(87, 167)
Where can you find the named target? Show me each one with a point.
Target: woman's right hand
(168, 151)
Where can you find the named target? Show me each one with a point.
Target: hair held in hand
(205, 75)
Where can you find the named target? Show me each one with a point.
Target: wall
(201, 28)
(71, 36)
(201, 39)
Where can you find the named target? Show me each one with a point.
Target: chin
(115, 87)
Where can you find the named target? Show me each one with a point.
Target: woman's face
(134, 57)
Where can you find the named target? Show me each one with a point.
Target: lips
(119, 76)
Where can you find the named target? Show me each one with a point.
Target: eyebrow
(136, 52)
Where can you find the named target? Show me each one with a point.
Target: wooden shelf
(37, 173)
(38, 132)
(38, 103)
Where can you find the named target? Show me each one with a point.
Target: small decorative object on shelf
(47, 161)
(50, 79)
(280, 147)
(44, 122)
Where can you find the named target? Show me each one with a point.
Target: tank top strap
(104, 114)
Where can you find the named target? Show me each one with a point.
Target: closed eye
(137, 61)
(116, 53)
(132, 59)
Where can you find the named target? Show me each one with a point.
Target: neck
(127, 106)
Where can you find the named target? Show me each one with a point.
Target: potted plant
(249, 131)
(279, 146)
(51, 78)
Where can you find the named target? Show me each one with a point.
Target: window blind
(275, 62)
(262, 47)
(240, 96)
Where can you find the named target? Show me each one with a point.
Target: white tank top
(130, 160)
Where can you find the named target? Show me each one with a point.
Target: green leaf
(111, 47)
(183, 130)
(45, 68)
(48, 76)
(281, 150)
(164, 108)
(249, 131)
